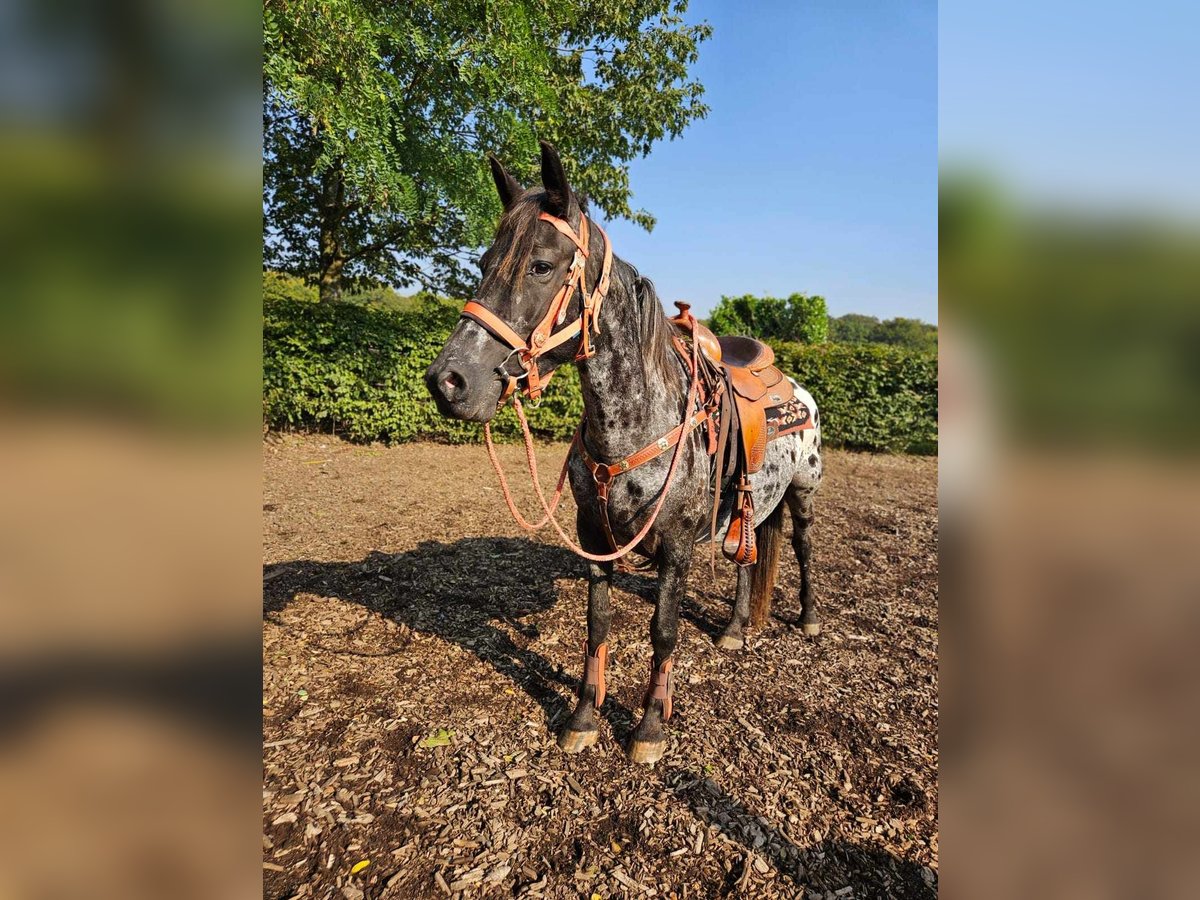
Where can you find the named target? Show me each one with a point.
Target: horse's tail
(769, 537)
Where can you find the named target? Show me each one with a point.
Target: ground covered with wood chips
(420, 653)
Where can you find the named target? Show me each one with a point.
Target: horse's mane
(653, 328)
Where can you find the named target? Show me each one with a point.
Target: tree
(801, 317)
(855, 328)
(852, 328)
(377, 116)
(903, 332)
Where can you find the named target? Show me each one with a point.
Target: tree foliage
(800, 317)
(377, 116)
(855, 328)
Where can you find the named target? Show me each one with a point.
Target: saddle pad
(791, 416)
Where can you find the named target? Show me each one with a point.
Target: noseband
(544, 337)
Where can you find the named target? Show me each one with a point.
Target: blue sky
(1082, 103)
(816, 169)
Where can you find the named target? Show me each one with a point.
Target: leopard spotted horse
(684, 437)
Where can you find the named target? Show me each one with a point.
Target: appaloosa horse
(643, 396)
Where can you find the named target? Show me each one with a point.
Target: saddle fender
(755, 393)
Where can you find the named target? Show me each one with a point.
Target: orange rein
(549, 508)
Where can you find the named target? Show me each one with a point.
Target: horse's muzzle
(459, 395)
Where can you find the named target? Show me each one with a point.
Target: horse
(533, 312)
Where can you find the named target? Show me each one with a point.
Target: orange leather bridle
(545, 338)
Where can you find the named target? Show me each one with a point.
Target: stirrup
(740, 545)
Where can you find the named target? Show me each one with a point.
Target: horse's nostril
(453, 384)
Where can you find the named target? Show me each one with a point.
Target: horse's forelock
(514, 237)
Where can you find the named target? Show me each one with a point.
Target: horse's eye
(541, 267)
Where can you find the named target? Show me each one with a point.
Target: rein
(544, 339)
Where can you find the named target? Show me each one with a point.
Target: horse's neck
(629, 401)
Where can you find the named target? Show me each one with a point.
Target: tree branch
(376, 246)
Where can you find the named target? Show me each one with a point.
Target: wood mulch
(420, 652)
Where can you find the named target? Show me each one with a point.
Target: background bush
(800, 317)
(357, 370)
(870, 397)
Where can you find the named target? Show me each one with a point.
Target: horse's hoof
(647, 752)
(812, 629)
(576, 741)
(725, 642)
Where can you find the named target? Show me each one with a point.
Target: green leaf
(438, 738)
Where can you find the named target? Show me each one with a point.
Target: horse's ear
(507, 187)
(554, 180)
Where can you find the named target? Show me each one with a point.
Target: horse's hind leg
(800, 503)
(734, 638)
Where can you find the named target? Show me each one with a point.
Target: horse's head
(525, 272)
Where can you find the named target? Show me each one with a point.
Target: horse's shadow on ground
(827, 865)
(463, 592)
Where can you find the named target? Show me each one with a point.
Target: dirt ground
(420, 653)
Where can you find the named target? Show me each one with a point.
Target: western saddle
(747, 396)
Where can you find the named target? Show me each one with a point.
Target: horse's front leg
(583, 727)
(649, 739)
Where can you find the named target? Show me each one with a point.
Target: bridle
(544, 337)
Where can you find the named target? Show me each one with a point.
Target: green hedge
(358, 371)
(870, 396)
